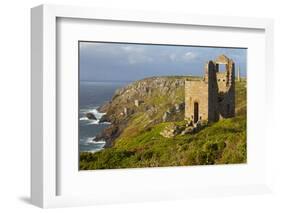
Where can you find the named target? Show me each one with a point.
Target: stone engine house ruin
(212, 97)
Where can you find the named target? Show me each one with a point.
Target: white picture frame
(44, 153)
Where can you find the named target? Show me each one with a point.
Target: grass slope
(141, 145)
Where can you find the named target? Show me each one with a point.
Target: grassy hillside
(140, 143)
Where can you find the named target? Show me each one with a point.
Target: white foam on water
(99, 143)
(105, 122)
(94, 151)
(84, 119)
(93, 122)
(91, 141)
(97, 114)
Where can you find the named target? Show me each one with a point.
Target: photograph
(161, 105)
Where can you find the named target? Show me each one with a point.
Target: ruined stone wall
(226, 89)
(222, 81)
(227, 104)
(196, 92)
(215, 93)
(211, 70)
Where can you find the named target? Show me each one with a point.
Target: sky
(129, 62)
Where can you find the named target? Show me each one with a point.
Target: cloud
(132, 49)
(189, 56)
(136, 54)
(89, 45)
(172, 57)
(182, 57)
(138, 59)
(109, 61)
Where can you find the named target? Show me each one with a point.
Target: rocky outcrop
(183, 129)
(104, 118)
(166, 116)
(179, 107)
(187, 130)
(91, 116)
(171, 131)
(109, 135)
(172, 112)
(151, 96)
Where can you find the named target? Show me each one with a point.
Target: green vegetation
(141, 145)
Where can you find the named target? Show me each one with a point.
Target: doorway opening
(196, 112)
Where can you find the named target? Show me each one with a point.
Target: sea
(92, 95)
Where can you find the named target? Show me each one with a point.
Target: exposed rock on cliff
(91, 116)
(171, 131)
(155, 99)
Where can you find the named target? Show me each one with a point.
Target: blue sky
(129, 62)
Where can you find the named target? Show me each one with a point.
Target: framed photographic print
(149, 106)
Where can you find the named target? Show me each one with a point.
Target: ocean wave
(91, 122)
(83, 119)
(99, 145)
(105, 122)
(98, 142)
(91, 140)
(96, 113)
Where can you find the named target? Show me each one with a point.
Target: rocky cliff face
(153, 100)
